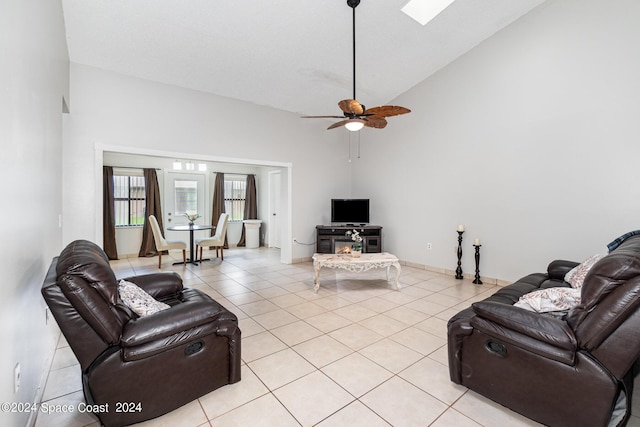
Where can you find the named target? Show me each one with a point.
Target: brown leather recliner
(574, 370)
(138, 368)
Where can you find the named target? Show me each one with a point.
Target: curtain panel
(250, 205)
(153, 206)
(108, 214)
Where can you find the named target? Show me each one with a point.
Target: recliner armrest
(172, 321)
(559, 268)
(158, 285)
(550, 330)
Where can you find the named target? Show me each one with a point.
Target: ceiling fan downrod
(353, 4)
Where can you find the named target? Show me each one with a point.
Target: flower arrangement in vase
(356, 248)
(191, 216)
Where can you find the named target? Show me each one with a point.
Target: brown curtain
(152, 207)
(250, 205)
(108, 214)
(218, 203)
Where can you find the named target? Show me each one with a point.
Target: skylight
(424, 11)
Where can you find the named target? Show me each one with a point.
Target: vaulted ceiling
(294, 55)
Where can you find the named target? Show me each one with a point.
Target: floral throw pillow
(576, 276)
(138, 300)
(550, 299)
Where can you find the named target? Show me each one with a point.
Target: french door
(184, 193)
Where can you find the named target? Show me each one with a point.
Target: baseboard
(48, 362)
(448, 272)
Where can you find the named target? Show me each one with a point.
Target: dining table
(191, 228)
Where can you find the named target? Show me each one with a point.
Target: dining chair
(217, 240)
(164, 245)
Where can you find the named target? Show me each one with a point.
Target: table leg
(397, 266)
(192, 259)
(191, 246)
(316, 268)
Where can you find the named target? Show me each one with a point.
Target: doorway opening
(284, 195)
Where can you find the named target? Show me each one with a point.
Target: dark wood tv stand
(327, 235)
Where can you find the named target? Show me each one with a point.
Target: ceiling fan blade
(351, 106)
(338, 124)
(387, 110)
(376, 122)
(322, 117)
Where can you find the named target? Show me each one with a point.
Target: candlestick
(459, 269)
(477, 281)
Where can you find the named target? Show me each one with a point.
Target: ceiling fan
(355, 116)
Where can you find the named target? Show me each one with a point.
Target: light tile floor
(357, 353)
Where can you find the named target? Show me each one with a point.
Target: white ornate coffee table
(365, 262)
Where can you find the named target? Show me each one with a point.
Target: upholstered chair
(165, 245)
(146, 345)
(216, 240)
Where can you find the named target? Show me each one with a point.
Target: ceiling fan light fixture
(354, 125)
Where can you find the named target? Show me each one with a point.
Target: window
(129, 200)
(235, 191)
(185, 196)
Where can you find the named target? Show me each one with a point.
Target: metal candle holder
(477, 281)
(459, 269)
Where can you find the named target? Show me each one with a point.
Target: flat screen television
(350, 211)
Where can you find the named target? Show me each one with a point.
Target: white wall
(529, 140)
(115, 110)
(33, 80)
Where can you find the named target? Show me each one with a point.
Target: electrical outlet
(294, 240)
(16, 378)
(429, 246)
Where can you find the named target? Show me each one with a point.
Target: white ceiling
(294, 55)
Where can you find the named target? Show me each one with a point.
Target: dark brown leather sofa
(138, 368)
(569, 370)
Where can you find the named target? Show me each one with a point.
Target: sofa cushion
(84, 260)
(511, 294)
(576, 276)
(619, 267)
(138, 300)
